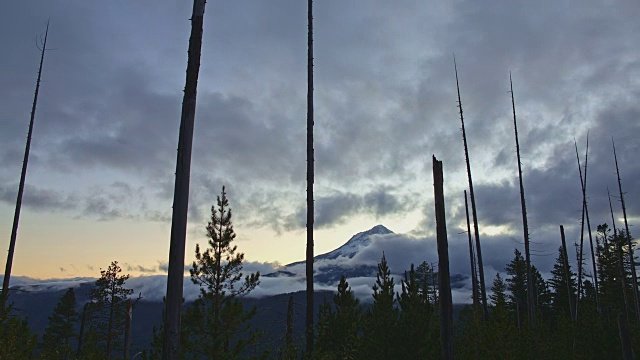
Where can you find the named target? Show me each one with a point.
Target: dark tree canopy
(217, 324)
(62, 328)
(108, 306)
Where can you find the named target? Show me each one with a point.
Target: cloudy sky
(101, 172)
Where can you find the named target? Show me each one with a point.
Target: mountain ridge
(350, 248)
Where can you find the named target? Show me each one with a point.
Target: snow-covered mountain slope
(332, 265)
(329, 267)
(351, 247)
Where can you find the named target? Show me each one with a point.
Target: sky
(100, 180)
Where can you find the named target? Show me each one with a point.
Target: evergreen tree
(108, 306)
(589, 297)
(155, 349)
(339, 325)
(499, 296)
(542, 295)
(380, 333)
(427, 281)
(290, 350)
(419, 334)
(558, 285)
(493, 339)
(17, 342)
(517, 286)
(613, 271)
(61, 329)
(217, 320)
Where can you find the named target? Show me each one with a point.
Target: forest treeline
(406, 324)
(403, 324)
(587, 313)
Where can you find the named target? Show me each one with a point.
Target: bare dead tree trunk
(288, 340)
(110, 324)
(127, 331)
(472, 255)
(583, 184)
(567, 275)
(623, 275)
(81, 333)
(625, 338)
(580, 253)
(175, 276)
(310, 173)
(613, 219)
(483, 291)
(634, 276)
(580, 269)
(444, 279)
(525, 226)
(23, 175)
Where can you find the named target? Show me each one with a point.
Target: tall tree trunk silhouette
(583, 184)
(618, 249)
(23, 175)
(127, 332)
(525, 226)
(310, 173)
(483, 291)
(83, 321)
(175, 276)
(634, 277)
(567, 275)
(288, 337)
(625, 338)
(472, 256)
(444, 279)
(580, 259)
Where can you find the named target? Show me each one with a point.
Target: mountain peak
(351, 247)
(378, 230)
(357, 241)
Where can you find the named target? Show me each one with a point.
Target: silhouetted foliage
(108, 308)
(56, 341)
(339, 325)
(381, 323)
(17, 342)
(558, 285)
(517, 286)
(418, 325)
(217, 325)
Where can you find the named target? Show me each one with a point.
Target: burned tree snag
(525, 226)
(472, 256)
(483, 293)
(310, 174)
(634, 276)
(127, 331)
(444, 280)
(175, 276)
(583, 184)
(618, 250)
(567, 275)
(581, 251)
(625, 338)
(83, 321)
(288, 339)
(23, 175)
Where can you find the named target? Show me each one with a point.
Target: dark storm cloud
(381, 202)
(334, 209)
(338, 207)
(109, 202)
(384, 102)
(140, 268)
(38, 199)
